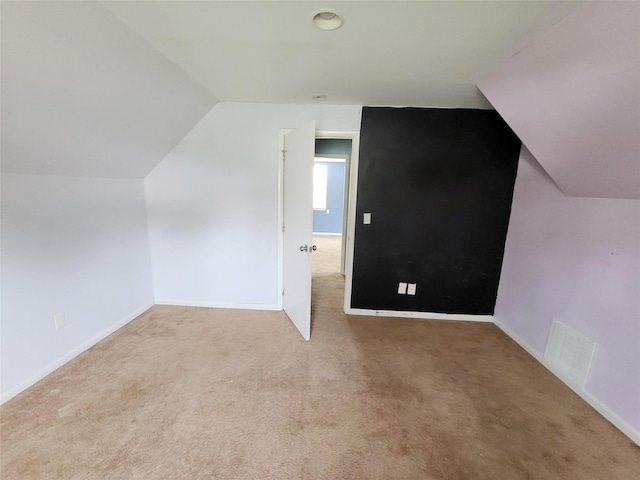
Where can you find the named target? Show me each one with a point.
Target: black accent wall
(438, 184)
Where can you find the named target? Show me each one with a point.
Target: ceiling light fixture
(326, 19)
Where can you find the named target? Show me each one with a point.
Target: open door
(299, 147)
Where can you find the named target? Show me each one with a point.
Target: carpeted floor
(196, 393)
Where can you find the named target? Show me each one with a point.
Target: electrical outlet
(411, 289)
(366, 218)
(59, 320)
(402, 288)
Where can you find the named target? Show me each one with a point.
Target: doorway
(295, 192)
(331, 196)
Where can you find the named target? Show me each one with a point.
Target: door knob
(314, 248)
(304, 248)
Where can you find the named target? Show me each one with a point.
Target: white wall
(213, 204)
(73, 245)
(577, 260)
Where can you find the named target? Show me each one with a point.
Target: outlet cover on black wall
(440, 182)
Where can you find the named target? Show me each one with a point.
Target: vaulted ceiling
(108, 88)
(573, 98)
(83, 95)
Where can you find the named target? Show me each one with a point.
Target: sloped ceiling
(573, 98)
(107, 89)
(418, 53)
(83, 95)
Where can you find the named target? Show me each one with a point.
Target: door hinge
(284, 155)
(283, 227)
(283, 292)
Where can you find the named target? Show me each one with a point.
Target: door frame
(351, 171)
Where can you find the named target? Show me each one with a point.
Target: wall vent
(569, 353)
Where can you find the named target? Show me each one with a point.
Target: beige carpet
(195, 393)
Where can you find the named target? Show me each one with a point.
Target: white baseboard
(12, 392)
(600, 407)
(235, 306)
(422, 315)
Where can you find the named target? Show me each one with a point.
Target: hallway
(327, 285)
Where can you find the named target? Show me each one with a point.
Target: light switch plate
(367, 218)
(402, 288)
(411, 289)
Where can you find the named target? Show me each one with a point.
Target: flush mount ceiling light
(326, 19)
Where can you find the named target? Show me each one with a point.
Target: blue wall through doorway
(330, 219)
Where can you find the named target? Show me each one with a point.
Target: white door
(299, 147)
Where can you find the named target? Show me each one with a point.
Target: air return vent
(569, 353)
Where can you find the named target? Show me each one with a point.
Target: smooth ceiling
(387, 53)
(83, 95)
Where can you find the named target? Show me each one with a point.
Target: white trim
(422, 315)
(22, 386)
(327, 234)
(235, 306)
(351, 215)
(597, 404)
(281, 134)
